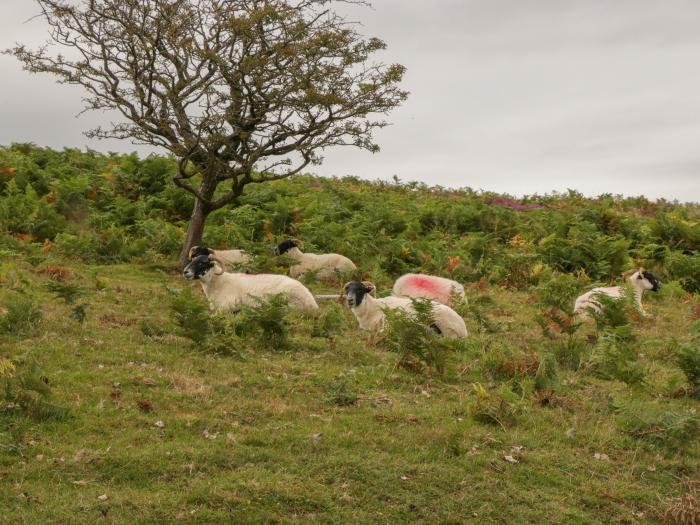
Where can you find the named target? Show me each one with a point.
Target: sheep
(640, 280)
(325, 265)
(228, 291)
(227, 256)
(369, 310)
(422, 286)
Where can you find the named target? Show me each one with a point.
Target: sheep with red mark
(422, 286)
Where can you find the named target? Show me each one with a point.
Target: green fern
(27, 390)
(414, 338)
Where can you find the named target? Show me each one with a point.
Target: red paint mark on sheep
(426, 284)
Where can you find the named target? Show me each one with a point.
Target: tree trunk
(194, 230)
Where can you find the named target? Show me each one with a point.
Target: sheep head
(355, 292)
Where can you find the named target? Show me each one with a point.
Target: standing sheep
(640, 280)
(422, 286)
(325, 265)
(228, 291)
(369, 310)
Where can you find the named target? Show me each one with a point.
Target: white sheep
(369, 310)
(325, 265)
(422, 286)
(639, 280)
(228, 291)
(227, 256)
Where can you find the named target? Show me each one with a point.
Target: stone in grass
(103, 497)
(159, 424)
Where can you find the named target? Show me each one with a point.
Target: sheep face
(285, 246)
(198, 267)
(649, 281)
(355, 292)
(196, 251)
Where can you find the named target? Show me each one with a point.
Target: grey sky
(516, 96)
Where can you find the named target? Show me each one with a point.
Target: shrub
(266, 323)
(191, 316)
(26, 389)
(68, 292)
(688, 359)
(497, 407)
(686, 269)
(412, 337)
(652, 423)
(615, 357)
(546, 377)
(613, 312)
(505, 364)
(478, 308)
(329, 322)
(21, 315)
(339, 393)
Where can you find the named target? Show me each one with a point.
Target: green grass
(258, 436)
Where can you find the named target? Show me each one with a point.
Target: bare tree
(239, 91)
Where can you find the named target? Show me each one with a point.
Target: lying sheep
(325, 265)
(640, 280)
(369, 310)
(227, 256)
(228, 291)
(421, 286)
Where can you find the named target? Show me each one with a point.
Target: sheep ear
(345, 287)
(189, 254)
(218, 262)
(370, 286)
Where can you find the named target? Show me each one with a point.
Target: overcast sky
(515, 96)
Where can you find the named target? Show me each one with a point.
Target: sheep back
(421, 286)
(325, 265)
(231, 290)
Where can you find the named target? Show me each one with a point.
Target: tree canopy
(240, 91)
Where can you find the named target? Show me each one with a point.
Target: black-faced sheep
(228, 291)
(640, 280)
(369, 310)
(227, 256)
(325, 265)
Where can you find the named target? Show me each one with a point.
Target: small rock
(208, 435)
(39, 457)
(103, 497)
(404, 478)
(601, 457)
(571, 433)
(316, 437)
(159, 424)
(510, 459)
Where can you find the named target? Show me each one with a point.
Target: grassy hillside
(124, 401)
